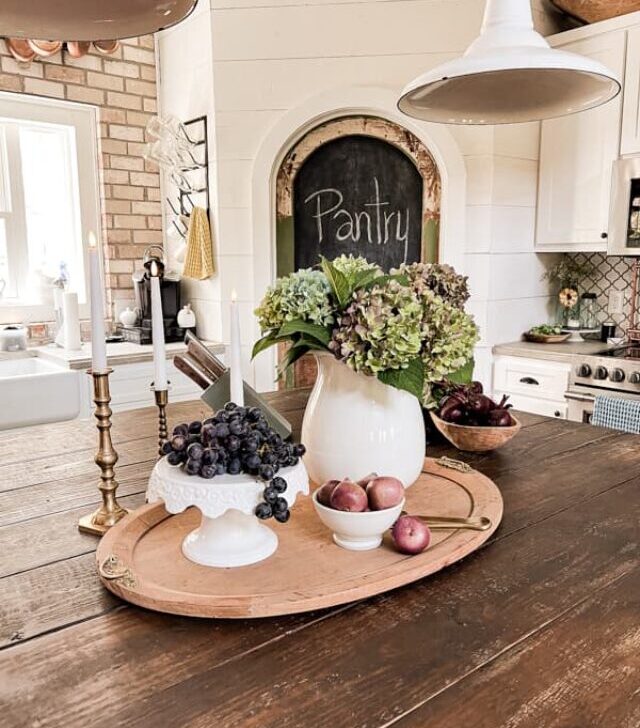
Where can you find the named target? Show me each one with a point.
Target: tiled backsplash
(609, 273)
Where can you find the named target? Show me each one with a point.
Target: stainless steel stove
(612, 371)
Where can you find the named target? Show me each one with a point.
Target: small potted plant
(380, 341)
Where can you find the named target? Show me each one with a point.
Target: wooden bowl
(545, 338)
(476, 439)
(591, 11)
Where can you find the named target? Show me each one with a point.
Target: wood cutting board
(307, 572)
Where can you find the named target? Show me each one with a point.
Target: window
(48, 202)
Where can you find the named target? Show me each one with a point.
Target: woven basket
(591, 11)
(476, 439)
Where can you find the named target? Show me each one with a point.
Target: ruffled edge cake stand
(229, 533)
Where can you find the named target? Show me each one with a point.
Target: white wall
(250, 62)
(508, 293)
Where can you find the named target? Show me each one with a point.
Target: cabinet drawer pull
(530, 380)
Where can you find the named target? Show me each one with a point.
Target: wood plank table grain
(541, 627)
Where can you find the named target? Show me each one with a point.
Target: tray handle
(112, 570)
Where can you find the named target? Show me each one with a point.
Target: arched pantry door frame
(287, 132)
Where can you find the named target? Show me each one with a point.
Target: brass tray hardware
(112, 570)
(452, 464)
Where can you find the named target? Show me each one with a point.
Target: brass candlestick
(110, 512)
(162, 399)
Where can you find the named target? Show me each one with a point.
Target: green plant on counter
(568, 271)
(408, 329)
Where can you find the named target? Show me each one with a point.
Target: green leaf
(267, 341)
(338, 281)
(464, 375)
(410, 379)
(315, 331)
(363, 278)
(310, 343)
(383, 280)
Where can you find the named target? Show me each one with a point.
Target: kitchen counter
(551, 352)
(118, 353)
(537, 628)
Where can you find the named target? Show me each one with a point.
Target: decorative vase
(355, 425)
(186, 317)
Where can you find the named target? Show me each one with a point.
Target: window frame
(84, 119)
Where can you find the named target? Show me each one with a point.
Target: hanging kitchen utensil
(20, 49)
(509, 74)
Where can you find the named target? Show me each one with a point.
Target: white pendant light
(87, 20)
(508, 75)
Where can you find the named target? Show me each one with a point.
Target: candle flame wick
(92, 240)
(234, 295)
(153, 268)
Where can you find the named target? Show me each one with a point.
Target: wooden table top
(541, 627)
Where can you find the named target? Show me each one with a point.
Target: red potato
(325, 491)
(348, 496)
(410, 535)
(367, 479)
(384, 492)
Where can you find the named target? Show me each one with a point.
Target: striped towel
(199, 257)
(616, 413)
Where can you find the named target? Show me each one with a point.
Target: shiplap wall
(248, 62)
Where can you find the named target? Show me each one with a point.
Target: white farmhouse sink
(33, 391)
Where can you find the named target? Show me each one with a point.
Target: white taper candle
(157, 331)
(235, 362)
(96, 286)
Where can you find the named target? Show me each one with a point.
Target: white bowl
(357, 531)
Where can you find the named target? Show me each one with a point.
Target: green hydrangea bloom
(440, 278)
(379, 330)
(302, 295)
(449, 336)
(351, 266)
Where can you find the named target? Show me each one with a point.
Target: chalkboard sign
(359, 195)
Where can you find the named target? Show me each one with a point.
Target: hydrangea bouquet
(408, 329)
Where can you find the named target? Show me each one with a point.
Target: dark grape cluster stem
(237, 440)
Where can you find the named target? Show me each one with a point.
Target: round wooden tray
(140, 559)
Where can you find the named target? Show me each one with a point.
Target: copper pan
(45, 48)
(106, 47)
(20, 49)
(78, 48)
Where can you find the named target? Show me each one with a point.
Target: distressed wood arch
(356, 125)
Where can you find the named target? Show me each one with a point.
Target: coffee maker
(169, 294)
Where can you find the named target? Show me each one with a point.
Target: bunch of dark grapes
(237, 440)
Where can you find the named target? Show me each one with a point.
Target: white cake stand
(229, 533)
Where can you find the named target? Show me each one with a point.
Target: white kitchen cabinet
(576, 157)
(130, 387)
(533, 385)
(630, 141)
